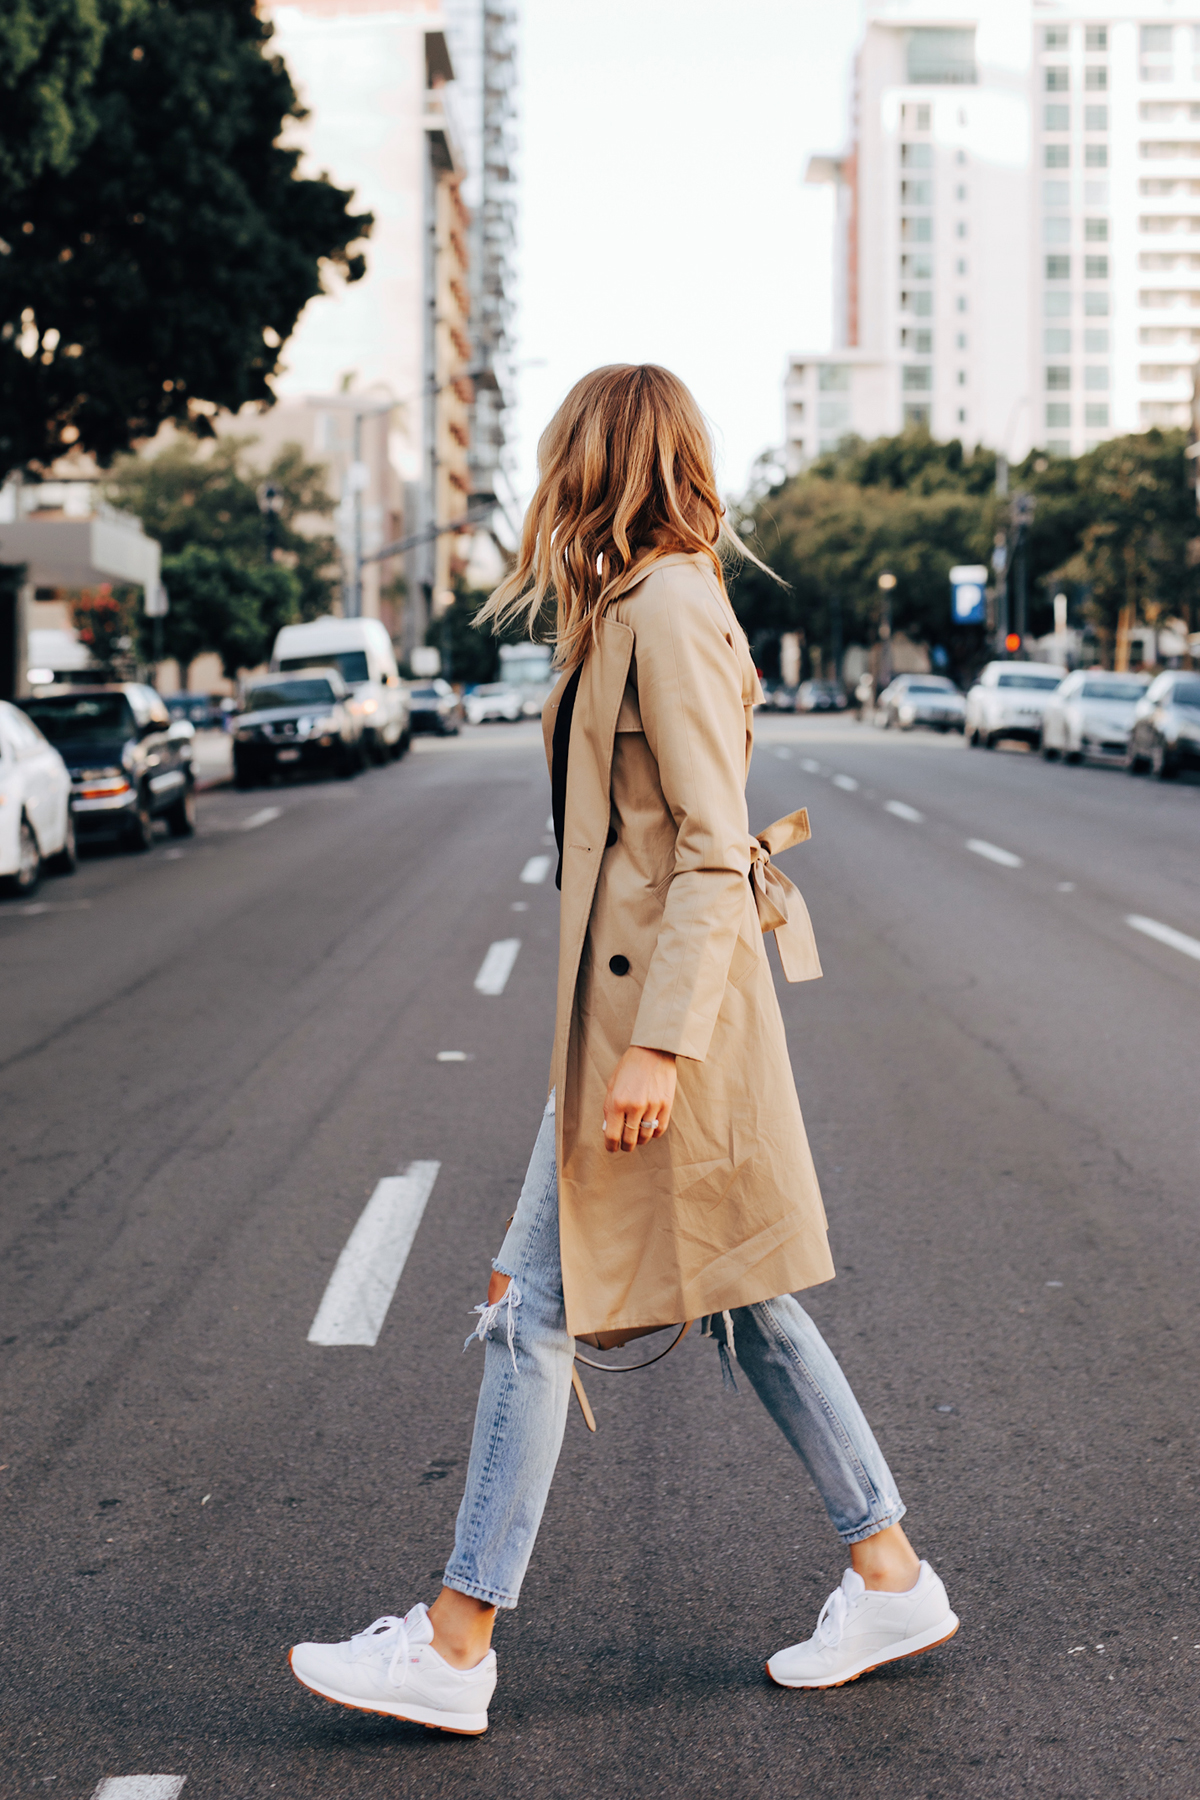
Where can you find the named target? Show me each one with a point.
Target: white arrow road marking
(140, 1787)
(260, 818)
(994, 853)
(847, 782)
(360, 1290)
(1166, 934)
(536, 870)
(497, 966)
(899, 809)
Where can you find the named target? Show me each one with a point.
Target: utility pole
(1022, 517)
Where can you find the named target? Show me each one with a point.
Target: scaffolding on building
(494, 230)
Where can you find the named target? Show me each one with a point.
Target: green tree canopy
(49, 54)
(220, 603)
(158, 261)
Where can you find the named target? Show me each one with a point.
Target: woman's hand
(637, 1106)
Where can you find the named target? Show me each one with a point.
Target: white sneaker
(858, 1630)
(392, 1667)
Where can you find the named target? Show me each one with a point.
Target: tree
(49, 54)
(192, 494)
(219, 603)
(157, 276)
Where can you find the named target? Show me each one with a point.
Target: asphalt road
(212, 1054)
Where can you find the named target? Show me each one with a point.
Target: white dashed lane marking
(995, 854)
(846, 782)
(261, 818)
(139, 1787)
(900, 809)
(1165, 934)
(360, 1289)
(809, 766)
(497, 966)
(536, 870)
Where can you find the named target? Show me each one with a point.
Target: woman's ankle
(886, 1561)
(462, 1628)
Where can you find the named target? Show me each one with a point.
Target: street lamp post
(887, 582)
(270, 505)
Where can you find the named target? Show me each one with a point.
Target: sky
(663, 211)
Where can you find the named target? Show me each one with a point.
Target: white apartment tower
(1019, 220)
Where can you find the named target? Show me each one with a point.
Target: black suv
(299, 721)
(129, 764)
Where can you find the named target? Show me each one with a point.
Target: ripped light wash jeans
(526, 1388)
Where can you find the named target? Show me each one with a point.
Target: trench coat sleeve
(689, 684)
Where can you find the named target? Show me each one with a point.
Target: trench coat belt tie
(781, 907)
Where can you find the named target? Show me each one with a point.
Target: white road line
(782, 754)
(550, 823)
(536, 870)
(497, 966)
(452, 1056)
(900, 809)
(360, 1289)
(846, 782)
(995, 854)
(261, 818)
(139, 1787)
(809, 766)
(1165, 934)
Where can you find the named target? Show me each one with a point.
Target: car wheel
(989, 740)
(403, 742)
(64, 861)
(181, 818)
(973, 737)
(349, 762)
(1161, 765)
(1134, 764)
(1072, 756)
(378, 749)
(24, 879)
(139, 833)
(1049, 752)
(242, 777)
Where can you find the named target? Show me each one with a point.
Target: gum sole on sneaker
(412, 1715)
(910, 1647)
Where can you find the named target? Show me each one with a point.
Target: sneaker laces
(832, 1620)
(374, 1641)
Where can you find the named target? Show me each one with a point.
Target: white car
(361, 651)
(492, 700)
(1008, 701)
(37, 828)
(1091, 715)
(910, 700)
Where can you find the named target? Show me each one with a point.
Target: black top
(559, 751)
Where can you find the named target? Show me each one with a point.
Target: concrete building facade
(1015, 224)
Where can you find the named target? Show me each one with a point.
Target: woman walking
(671, 1178)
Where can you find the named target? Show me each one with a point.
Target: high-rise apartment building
(1019, 222)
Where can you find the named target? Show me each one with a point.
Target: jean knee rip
(489, 1317)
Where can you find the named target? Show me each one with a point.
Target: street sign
(968, 601)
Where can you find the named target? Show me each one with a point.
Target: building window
(1095, 231)
(1156, 45)
(1056, 193)
(1058, 80)
(1095, 37)
(1095, 79)
(961, 265)
(962, 303)
(960, 192)
(1057, 156)
(961, 340)
(1056, 340)
(921, 342)
(833, 415)
(1095, 156)
(1095, 305)
(914, 118)
(1056, 118)
(833, 378)
(916, 156)
(1095, 413)
(1055, 37)
(918, 301)
(939, 55)
(916, 231)
(1058, 268)
(915, 414)
(1058, 377)
(960, 230)
(1095, 118)
(1058, 446)
(918, 378)
(1095, 268)
(1095, 193)
(1056, 229)
(1095, 341)
(1058, 413)
(1095, 377)
(1057, 305)
(918, 267)
(916, 193)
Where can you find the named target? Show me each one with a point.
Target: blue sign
(968, 597)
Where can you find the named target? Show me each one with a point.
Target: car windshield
(1184, 693)
(931, 687)
(1112, 690)
(290, 693)
(425, 693)
(82, 718)
(1018, 678)
(350, 664)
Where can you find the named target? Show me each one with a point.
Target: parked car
(931, 700)
(130, 764)
(1090, 715)
(1165, 732)
(820, 696)
(203, 711)
(1008, 700)
(37, 830)
(361, 652)
(492, 700)
(433, 706)
(296, 723)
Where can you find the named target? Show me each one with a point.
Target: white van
(361, 651)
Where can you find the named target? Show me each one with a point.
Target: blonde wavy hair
(625, 475)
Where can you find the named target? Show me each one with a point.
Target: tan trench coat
(724, 1209)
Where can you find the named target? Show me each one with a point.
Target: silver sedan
(1090, 715)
